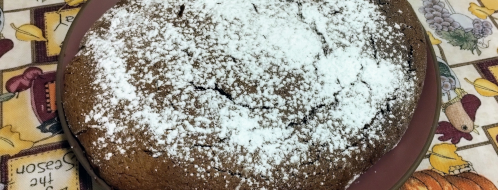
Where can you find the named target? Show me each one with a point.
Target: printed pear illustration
(28, 32)
(459, 107)
(462, 113)
(11, 142)
(484, 87)
(444, 159)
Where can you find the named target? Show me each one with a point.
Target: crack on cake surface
(229, 96)
(326, 48)
(237, 174)
(255, 8)
(202, 145)
(373, 47)
(181, 11)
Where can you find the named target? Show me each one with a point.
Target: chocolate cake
(239, 94)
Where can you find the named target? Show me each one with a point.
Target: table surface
(35, 155)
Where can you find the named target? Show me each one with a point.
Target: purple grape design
(444, 23)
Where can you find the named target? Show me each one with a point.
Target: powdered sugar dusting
(255, 82)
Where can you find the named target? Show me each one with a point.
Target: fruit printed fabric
(463, 154)
(468, 126)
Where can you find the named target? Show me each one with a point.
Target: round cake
(244, 94)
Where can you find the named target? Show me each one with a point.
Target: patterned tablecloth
(463, 154)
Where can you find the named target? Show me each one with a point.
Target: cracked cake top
(251, 86)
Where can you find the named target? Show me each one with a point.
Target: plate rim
(81, 155)
(433, 128)
(75, 145)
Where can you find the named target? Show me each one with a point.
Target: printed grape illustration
(447, 84)
(481, 28)
(437, 16)
(458, 29)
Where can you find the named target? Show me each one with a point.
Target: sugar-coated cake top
(252, 84)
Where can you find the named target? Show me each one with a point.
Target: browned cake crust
(137, 168)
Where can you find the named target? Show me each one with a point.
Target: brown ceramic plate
(390, 172)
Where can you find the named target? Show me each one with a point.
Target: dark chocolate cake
(242, 94)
